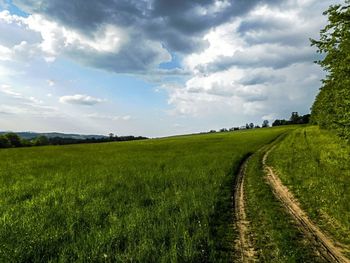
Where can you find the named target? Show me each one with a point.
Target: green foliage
(14, 139)
(265, 124)
(164, 200)
(277, 238)
(11, 139)
(294, 119)
(4, 142)
(331, 108)
(41, 140)
(315, 165)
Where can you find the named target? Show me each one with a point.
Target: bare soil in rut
(244, 242)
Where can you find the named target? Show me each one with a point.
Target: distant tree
(4, 142)
(277, 123)
(41, 140)
(212, 131)
(305, 118)
(251, 125)
(63, 141)
(25, 143)
(14, 139)
(235, 128)
(294, 118)
(223, 130)
(265, 124)
(257, 127)
(247, 126)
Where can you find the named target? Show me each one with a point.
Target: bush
(4, 142)
(14, 139)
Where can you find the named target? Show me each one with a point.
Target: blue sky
(155, 68)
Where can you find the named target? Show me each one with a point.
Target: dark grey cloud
(132, 58)
(5, 112)
(266, 56)
(260, 78)
(179, 24)
(258, 30)
(251, 97)
(258, 24)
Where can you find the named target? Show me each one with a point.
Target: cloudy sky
(155, 67)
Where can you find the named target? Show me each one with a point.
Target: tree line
(244, 127)
(295, 118)
(331, 109)
(12, 140)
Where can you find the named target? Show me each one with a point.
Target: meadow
(159, 200)
(315, 165)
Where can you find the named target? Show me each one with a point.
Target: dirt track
(322, 243)
(244, 244)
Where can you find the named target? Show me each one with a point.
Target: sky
(156, 67)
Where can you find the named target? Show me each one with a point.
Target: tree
(305, 118)
(251, 125)
(14, 139)
(41, 140)
(277, 123)
(265, 124)
(294, 118)
(331, 108)
(25, 143)
(4, 142)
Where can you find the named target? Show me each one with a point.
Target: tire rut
(243, 243)
(324, 245)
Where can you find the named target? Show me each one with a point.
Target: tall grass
(315, 165)
(165, 200)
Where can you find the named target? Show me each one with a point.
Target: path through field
(322, 243)
(244, 243)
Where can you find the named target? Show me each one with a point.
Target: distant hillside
(32, 135)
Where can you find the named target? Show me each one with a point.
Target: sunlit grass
(315, 165)
(276, 236)
(146, 201)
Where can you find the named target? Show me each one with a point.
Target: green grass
(164, 200)
(276, 236)
(315, 165)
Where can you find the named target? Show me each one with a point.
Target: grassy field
(276, 236)
(315, 165)
(164, 200)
